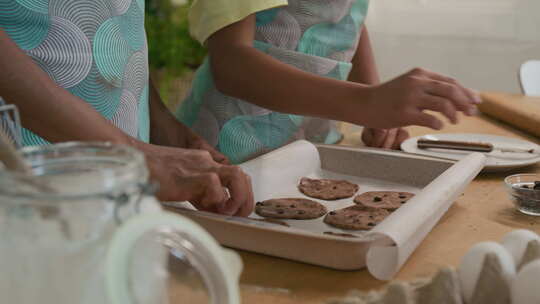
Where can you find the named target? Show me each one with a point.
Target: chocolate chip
(377, 199)
(334, 187)
(371, 216)
(371, 224)
(357, 221)
(301, 212)
(402, 196)
(293, 206)
(403, 202)
(280, 211)
(332, 213)
(278, 206)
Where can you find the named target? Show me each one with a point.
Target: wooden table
(483, 213)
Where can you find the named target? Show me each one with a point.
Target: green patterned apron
(96, 49)
(317, 36)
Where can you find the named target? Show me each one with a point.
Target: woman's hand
(194, 176)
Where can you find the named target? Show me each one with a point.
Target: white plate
(496, 161)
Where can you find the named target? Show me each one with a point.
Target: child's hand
(384, 138)
(402, 101)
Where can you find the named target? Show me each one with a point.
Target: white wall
(480, 42)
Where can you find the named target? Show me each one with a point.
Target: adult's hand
(194, 176)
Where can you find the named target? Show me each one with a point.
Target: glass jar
(86, 229)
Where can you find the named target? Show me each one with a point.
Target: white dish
(496, 161)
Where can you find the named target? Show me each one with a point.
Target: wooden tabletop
(483, 213)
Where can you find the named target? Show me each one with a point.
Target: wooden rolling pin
(522, 112)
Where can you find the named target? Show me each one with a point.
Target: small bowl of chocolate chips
(524, 190)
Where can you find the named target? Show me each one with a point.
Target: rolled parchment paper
(400, 234)
(522, 112)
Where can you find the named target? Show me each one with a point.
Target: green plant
(171, 50)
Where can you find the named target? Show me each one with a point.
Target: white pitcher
(99, 237)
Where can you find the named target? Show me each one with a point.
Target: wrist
(357, 103)
(129, 141)
(167, 132)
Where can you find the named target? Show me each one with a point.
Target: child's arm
(242, 71)
(364, 70)
(166, 130)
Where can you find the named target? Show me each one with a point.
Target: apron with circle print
(95, 49)
(316, 36)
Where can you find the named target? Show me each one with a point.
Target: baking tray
(277, 174)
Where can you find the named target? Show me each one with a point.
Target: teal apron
(95, 49)
(316, 36)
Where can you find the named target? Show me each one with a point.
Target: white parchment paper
(405, 229)
(277, 174)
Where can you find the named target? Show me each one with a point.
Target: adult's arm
(47, 109)
(56, 115)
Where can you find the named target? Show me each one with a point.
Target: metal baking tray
(277, 174)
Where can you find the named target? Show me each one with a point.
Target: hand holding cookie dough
(194, 176)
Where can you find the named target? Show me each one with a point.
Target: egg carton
(490, 273)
